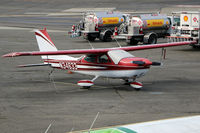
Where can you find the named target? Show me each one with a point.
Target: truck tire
(133, 41)
(106, 36)
(90, 38)
(150, 38)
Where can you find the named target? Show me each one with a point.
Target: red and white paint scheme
(136, 85)
(104, 62)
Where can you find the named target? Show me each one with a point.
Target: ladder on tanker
(178, 39)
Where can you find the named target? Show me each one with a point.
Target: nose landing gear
(135, 84)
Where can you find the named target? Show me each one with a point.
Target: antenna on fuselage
(93, 122)
(90, 44)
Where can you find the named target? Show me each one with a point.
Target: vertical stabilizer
(46, 44)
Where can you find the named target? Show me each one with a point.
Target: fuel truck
(145, 28)
(97, 25)
(188, 29)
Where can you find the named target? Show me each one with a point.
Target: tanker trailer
(144, 28)
(97, 25)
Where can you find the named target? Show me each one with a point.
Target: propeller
(156, 64)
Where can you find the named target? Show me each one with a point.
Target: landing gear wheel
(85, 87)
(137, 89)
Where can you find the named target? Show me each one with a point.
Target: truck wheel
(133, 41)
(195, 47)
(106, 37)
(152, 39)
(91, 38)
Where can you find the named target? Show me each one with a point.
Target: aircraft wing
(96, 51)
(176, 125)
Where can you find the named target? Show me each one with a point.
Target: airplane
(189, 124)
(101, 62)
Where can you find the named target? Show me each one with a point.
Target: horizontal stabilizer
(34, 65)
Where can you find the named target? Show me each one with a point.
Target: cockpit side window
(91, 58)
(103, 59)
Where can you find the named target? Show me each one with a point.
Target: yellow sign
(185, 18)
(155, 22)
(111, 20)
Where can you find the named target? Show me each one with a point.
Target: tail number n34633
(68, 65)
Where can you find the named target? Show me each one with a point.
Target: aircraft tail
(44, 41)
(46, 44)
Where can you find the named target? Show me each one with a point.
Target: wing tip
(10, 55)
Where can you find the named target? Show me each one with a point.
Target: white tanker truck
(144, 28)
(97, 25)
(188, 28)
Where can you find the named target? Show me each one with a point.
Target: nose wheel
(134, 84)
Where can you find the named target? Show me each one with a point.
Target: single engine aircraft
(103, 62)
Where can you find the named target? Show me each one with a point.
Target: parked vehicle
(144, 28)
(98, 25)
(188, 29)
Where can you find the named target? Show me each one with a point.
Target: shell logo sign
(195, 19)
(110, 20)
(155, 23)
(185, 18)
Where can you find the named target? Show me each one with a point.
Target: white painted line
(52, 31)
(29, 29)
(156, 93)
(64, 14)
(89, 9)
(14, 28)
(36, 13)
(192, 6)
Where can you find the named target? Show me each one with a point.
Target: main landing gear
(86, 84)
(135, 84)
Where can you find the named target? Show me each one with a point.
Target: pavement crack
(117, 92)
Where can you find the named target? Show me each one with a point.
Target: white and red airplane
(104, 62)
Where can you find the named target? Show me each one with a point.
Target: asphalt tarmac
(32, 98)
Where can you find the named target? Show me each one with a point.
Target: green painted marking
(113, 130)
(107, 130)
(126, 130)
